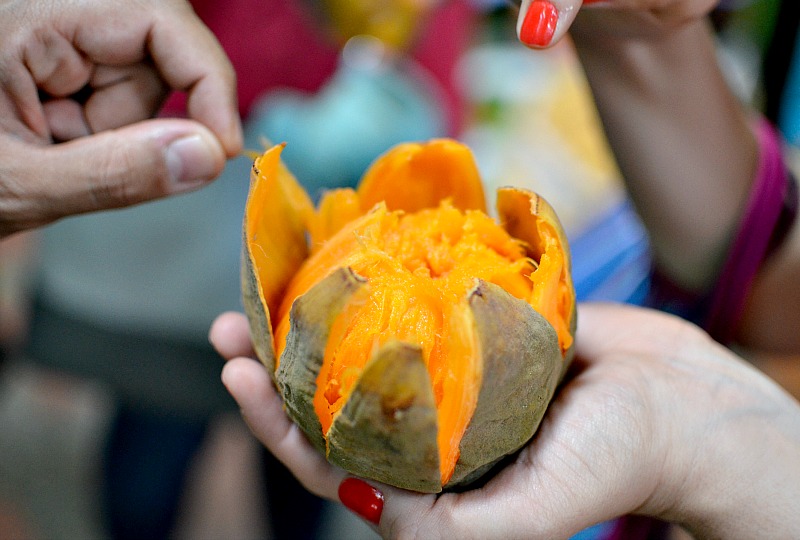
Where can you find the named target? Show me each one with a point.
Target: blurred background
(113, 422)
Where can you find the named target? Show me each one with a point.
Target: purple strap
(770, 211)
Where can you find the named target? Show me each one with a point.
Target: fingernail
(539, 24)
(361, 498)
(190, 160)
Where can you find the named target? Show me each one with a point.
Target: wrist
(732, 471)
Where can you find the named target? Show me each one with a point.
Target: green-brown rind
(387, 429)
(521, 368)
(257, 314)
(311, 318)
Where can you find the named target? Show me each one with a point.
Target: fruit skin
(312, 316)
(522, 367)
(387, 429)
(257, 314)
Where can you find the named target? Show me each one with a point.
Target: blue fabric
(611, 258)
(599, 531)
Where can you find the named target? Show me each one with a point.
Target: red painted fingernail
(361, 498)
(539, 24)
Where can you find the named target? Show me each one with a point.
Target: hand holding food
(653, 418)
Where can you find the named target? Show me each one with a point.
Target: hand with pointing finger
(79, 84)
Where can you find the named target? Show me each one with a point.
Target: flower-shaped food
(415, 340)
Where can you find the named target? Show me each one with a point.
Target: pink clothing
(770, 210)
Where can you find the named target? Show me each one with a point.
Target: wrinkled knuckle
(404, 531)
(400, 529)
(24, 202)
(429, 525)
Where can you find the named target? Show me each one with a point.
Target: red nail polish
(361, 498)
(539, 24)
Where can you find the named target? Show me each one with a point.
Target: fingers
(262, 409)
(543, 23)
(124, 95)
(189, 57)
(184, 52)
(119, 96)
(230, 336)
(111, 169)
(74, 43)
(55, 64)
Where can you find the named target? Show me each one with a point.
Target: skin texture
(90, 75)
(609, 444)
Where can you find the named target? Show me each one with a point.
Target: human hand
(655, 419)
(89, 75)
(542, 23)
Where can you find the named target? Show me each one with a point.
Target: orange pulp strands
(419, 268)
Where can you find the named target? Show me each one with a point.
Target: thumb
(111, 169)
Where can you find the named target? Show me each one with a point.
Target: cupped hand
(543, 23)
(655, 418)
(90, 76)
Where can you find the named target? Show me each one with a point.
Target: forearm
(682, 140)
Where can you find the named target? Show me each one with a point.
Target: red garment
(280, 43)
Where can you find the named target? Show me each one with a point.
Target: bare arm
(683, 142)
(687, 151)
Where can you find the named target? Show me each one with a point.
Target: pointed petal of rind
(519, 211)
(275, 224)
(521, 368)
(387, 429)
(413, 176)
(312, 316)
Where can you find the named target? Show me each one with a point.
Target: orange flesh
(419, 268)
(276, 223)
(528, 217)
(428, 173)
(551, 296)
